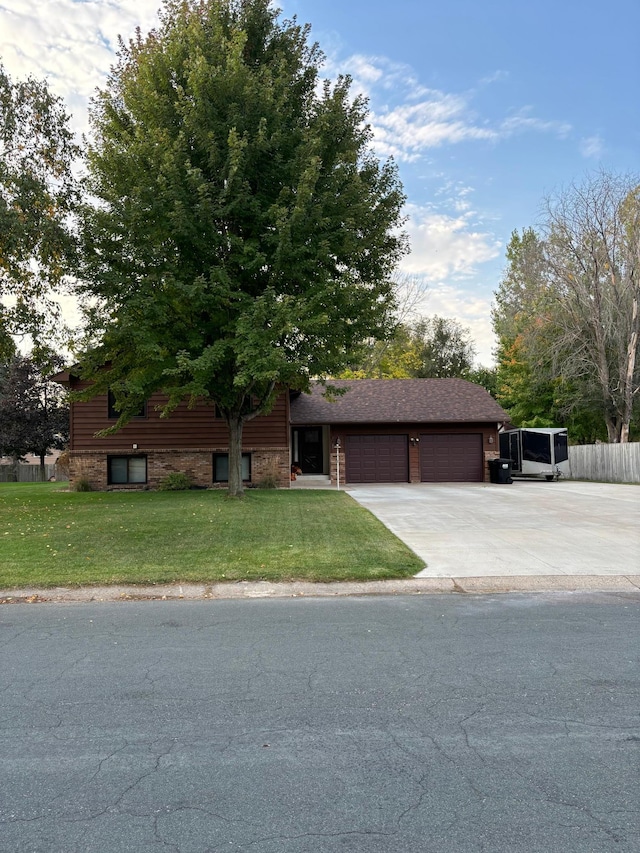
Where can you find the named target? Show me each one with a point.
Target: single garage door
(451, 458)
(377, 459)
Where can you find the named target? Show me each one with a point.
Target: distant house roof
(398, 401)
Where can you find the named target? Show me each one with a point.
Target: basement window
(126, 470)
(221, 467)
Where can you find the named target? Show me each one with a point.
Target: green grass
(51, 537)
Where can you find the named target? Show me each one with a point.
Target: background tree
(444, 346)
(244, 237)
(592, 240)
(430, 348)
(34, 414)
(38, 195)
(524, 374)
(566, 313)
(487, 377)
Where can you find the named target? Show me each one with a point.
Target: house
(397, 431)
(378, 431)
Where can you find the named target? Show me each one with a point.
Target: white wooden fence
(612, 463)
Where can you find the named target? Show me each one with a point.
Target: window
(536, 447)
(114, 414)
(126, 469)
(221, 467)
(560, 447)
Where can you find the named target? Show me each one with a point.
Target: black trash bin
(500, 471)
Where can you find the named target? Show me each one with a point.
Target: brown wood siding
(184, 429)
(447, 458)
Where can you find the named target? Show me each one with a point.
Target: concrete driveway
(529, 528)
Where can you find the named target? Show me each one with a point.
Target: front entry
(308, 449)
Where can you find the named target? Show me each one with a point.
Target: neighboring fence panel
(613, 463)
(25, 473)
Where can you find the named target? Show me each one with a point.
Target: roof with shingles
(377, 401)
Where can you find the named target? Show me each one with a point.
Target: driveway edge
(263, 589)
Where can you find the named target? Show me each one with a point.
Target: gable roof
(397, 401)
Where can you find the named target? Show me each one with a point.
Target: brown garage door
(377, 459)
(451, 458)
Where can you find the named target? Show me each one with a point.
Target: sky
(488, 108)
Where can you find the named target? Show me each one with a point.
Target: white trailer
(536, 452)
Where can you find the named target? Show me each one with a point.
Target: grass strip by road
(51, 537)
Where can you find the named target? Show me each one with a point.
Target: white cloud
(363, 71)
(447, 253)
(409, 119)
(408, 130)
(592, 147)
(367, 71)
(495, 77)
(71, 43)
(444, 246)
(523, 121)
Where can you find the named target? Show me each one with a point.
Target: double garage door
(444, 458)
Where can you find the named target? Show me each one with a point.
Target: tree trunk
(629, 372)
(235, 424)
(613, 429)
(43, 476)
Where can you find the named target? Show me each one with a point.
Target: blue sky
(487, 107)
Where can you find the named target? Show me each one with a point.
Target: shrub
(177, 481)
(82, 485)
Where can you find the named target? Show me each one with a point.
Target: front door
(307, 444)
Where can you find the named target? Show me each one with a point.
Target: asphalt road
(412, 723)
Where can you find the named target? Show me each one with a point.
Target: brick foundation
(489, 454)
(266, 464)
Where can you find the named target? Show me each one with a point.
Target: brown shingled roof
(398, 401)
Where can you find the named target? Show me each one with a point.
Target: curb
(244, 590)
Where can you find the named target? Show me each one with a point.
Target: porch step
(311, 481)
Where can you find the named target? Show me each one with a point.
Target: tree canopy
(38, 194)
(567, 312)
(244, 236)
(34, 414)
(429, 348)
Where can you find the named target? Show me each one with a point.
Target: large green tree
(244, 236)
(38, 195)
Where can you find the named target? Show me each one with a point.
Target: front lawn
(50, 537)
